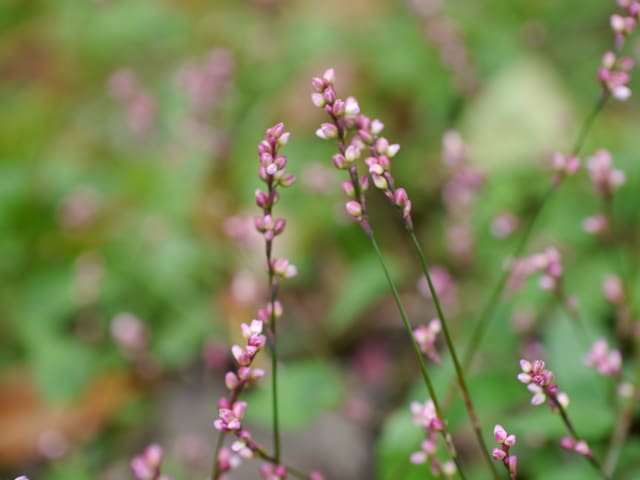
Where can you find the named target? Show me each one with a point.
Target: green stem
(454, 356)
(290, 470)
(423, 368)
(623, 424)
(487, 312)
(273, 286)
(215, 471)
(567, 422)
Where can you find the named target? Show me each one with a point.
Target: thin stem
(454, 356)
(215, 470)
(567, 422)
(623, 424)
(290, 470)
(273, 344)
(416, 348)
(487, 312)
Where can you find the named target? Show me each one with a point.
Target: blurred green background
(128, 133)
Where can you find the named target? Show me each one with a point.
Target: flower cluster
(424, 416)
(146, 466)
(564, 165)
(605, 179)
(549, 262)
(273, 472)
(458, 196)
(625, 24)
(615, 71)
(364, 141)
(206, 85)
(540, 382)
(426, 336)
(444, 35)
(501, 453)
(140, 105)
(613, 289)
(607, 361)
(615, 74)
(230, 410)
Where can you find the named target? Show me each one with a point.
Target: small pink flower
(605, 360)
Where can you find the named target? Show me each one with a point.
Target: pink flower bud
(499, 433)
(231, 381)
(329, 76)
(351, 107)
(347, 188)
(354, 209)
(285, 181)
(376, 127)
(498, 454)
(327, 131)
(318, 99)
(340, 161)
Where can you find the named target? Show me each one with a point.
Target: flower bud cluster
(605, 179)
(501, 453)
(273, 472)
(364, 141)
(615, 74)
(581, 447)
(607, 361)
(441, 31)
(540, 382)
(424, 416)
(343, 115)
(624, 24)
(426, 336)
(613, 289)
(548, 262)
(564, 165)
(146, 466)
(615, 71)
(230, 410)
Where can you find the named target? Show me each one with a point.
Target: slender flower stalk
(614, 75)
(230, 409)
(368, 140)
(346, 118)
(540, 381)
(487, 313)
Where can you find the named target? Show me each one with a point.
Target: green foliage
(306, 389)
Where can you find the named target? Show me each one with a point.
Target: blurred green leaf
(306, 389)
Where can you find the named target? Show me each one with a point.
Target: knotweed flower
(540, 382)
(146, 466)
(549, 262)
(614, 75)
(564, 166)
(358, 136)
(426, 336)
(596, 224)
(273, 472)
(581, 447)
(272, 171)
(613, 289)
(506, 441)
(504, 224)
(607, 361)
(605, 179)
(424, 416)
